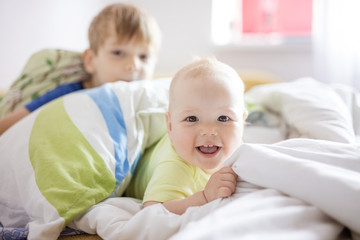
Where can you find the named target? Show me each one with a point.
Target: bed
(299, 167)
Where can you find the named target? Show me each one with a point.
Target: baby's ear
(88, 56)
(168, 122)
(245, 115)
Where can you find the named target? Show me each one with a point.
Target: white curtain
(337, 41)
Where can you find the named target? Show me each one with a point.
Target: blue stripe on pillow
(109, 105)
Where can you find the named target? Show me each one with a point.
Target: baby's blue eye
(223, 118)
(192, 119)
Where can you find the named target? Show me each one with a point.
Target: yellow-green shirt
(163, 176)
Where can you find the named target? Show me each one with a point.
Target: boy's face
(126, 61)
(205, 121)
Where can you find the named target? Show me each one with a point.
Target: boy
(124, 42)
(205, 123)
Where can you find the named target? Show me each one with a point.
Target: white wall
(28, 26)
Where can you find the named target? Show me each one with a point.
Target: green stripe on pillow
(68, 171)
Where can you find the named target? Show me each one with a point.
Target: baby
(205, 122)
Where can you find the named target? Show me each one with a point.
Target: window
(261, 21)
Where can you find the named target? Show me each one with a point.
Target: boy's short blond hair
(127, 22)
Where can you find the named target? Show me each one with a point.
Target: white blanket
(295, 189)
(77, 151)
(310, 190)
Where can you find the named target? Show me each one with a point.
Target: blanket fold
(328, 178)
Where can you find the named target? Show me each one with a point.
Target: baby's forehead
(206, 72)
(219, 86)
(208, 76)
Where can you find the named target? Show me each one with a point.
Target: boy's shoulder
(44, 71)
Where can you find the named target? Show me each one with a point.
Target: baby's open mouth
(208, 149)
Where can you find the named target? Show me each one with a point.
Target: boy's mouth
(208, 149)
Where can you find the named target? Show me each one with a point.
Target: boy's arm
(53, 94)
(221, 185)
(12, 118)
(22, 112)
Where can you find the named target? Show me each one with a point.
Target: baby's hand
(221, 184)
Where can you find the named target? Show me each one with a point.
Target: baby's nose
(208, 131)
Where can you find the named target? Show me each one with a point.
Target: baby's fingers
(226, 190)
(228, 170)
(228, 175)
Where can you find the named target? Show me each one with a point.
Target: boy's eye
(223, 118)
(118, 53)
(192, 119)
(144, 57)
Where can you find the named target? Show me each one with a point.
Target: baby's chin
(212, 168)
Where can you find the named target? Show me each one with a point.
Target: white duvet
(304, 187)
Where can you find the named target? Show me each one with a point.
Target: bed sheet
(299, 177)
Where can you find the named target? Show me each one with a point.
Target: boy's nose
(132, 64)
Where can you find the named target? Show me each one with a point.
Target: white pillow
(312, 109)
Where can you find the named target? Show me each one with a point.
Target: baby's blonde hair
(203, 68)
(127, 22)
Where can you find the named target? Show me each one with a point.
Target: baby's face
(127, 61)
(206, 120)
